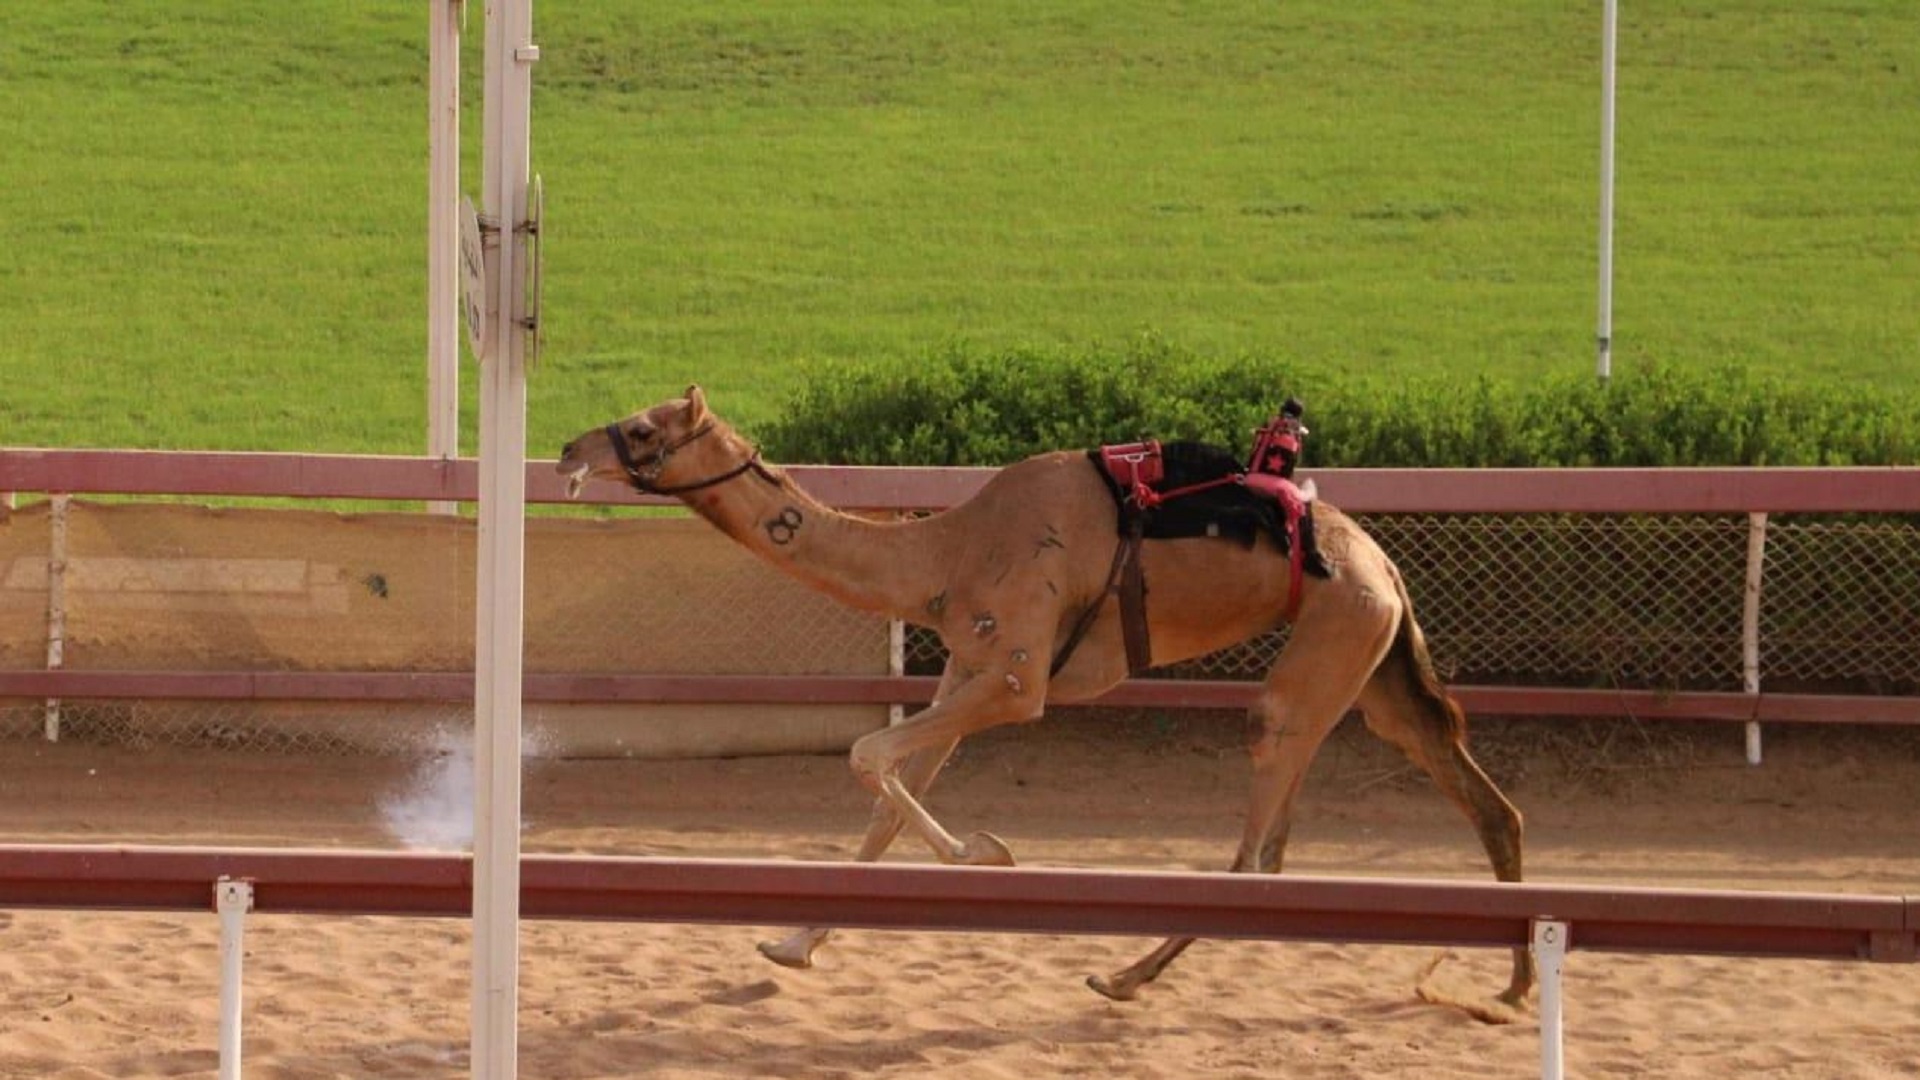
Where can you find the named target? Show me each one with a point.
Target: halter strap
(644, 478)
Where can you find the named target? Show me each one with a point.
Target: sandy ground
(87, 994)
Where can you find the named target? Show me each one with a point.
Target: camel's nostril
(566, 451)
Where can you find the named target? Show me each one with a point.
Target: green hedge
(964, 406)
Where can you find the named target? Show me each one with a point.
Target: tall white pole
(443, 235)
(510, 55)
(1609, 33)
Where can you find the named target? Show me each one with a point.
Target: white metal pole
(1750, 623)
(1549, 955)
(443, 235)
(232, 899)
(896, 665)
(1609, 33)
(510, 54)
(56, 603)
(896, 659)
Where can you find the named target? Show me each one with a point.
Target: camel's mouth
(577, 479)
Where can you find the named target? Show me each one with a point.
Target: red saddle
(1138, 469)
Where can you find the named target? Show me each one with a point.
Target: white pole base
(232, 899)
(1549, 953)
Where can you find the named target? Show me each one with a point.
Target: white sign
(476, 296)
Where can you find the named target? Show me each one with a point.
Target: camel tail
(1408, 659)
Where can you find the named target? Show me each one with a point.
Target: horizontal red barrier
(356, 476)
(384, 686)
(902, 897)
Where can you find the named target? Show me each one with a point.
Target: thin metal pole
(510, 54)
(1549, 955)
(443, 236)
(1750, 623)
(896, 665)
(896, 659)
(232, 899)
(1609, 34)
(56, 603)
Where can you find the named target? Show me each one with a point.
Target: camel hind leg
(1405, 705)
(1333, 651)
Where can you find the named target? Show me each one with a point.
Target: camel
(1007, 577)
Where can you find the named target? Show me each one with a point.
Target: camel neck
(872, 565)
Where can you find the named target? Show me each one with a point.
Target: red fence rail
(1026, 900)
(1890, 489)
(453, 686)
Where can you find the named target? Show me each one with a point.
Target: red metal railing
(1598, 491)
(379, 686)
(903, 897)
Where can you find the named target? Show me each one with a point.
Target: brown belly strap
(1127, 580)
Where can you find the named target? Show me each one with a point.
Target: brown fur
(1004, 576)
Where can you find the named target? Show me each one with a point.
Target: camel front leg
(883, 825)
(988, 700)
(797, 949)
(980, 848)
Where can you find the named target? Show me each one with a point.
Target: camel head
(636, 450)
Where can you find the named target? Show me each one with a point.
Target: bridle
(645, 476)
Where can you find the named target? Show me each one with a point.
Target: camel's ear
(696, 404)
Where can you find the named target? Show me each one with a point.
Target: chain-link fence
(1649, 602)
(187, 589)
(406, 729)
(1642, 602)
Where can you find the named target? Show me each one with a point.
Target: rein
(645, 477)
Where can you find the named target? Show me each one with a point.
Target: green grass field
(215, 210)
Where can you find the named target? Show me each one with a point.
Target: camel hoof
(985, 849)
(787, 954)
(1106, 988)
(1513, 998)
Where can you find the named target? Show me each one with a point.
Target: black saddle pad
(1229, 511)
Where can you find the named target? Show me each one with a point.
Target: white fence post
(1750, 624)
(896, 665)
(1549, 951)
(897, 650)
(443, 237)
(232, 899)
(56, 603)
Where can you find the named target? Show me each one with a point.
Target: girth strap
(1133, 604)
(1127, 580)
